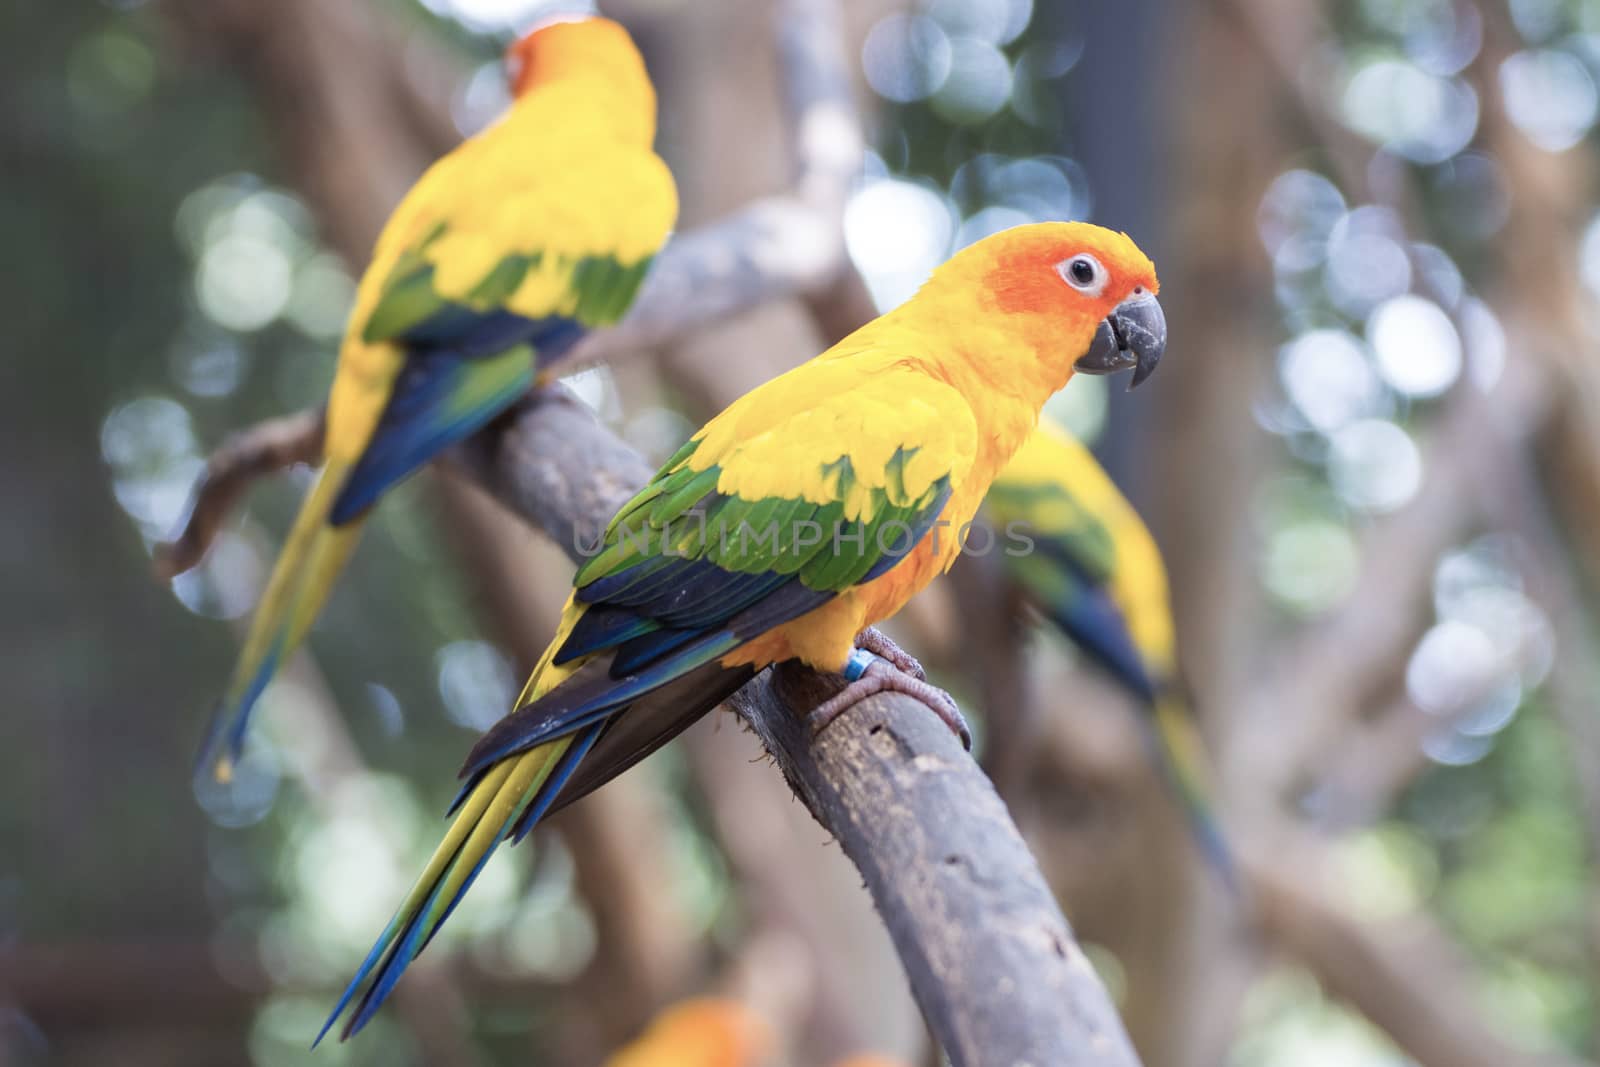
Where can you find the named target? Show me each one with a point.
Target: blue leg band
(860, 659)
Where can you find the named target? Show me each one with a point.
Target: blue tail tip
(1218, 854)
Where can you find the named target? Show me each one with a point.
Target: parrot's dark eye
(1084, 273)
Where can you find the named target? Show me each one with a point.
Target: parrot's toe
(881, 676)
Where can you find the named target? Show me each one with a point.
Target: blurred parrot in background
(812, 507)
(700, 1032)
(713, 1031)
(503, 254)
(1095, 572)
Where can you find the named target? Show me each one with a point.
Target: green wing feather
(680, 515)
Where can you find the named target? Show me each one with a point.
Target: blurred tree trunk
(1208, 450)
(1181, 161)
(1125, 156)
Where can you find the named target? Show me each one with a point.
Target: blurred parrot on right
(1095, 572)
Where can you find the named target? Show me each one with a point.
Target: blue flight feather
(464, 367)
(439, 399)
(646, 649)
(230, 723)
(579, 702)
(1091, 619)
(600, 629)
(723, 600)
(473, 334)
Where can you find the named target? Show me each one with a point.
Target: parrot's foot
(877, 642)
(881, 676)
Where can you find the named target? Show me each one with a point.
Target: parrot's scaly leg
(880, 676)
(878, 643)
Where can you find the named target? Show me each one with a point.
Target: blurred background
(1372, 458)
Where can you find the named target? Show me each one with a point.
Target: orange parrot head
(1081, 289)
(566, 45)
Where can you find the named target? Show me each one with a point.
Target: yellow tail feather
(1188, 771)
(487, 815)
(302, 577)
(546, 675)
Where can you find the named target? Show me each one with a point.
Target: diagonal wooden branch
(994, 967)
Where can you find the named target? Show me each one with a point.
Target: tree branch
(263, 449)
(991, 959)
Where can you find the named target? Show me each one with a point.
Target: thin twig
(263, 449)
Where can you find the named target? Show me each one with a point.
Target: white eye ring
(1084, 273)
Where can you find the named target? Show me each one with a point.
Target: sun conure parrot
(812, 507)
(1095, 572)
(503, 254)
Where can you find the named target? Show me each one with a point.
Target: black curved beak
(1133, 335)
